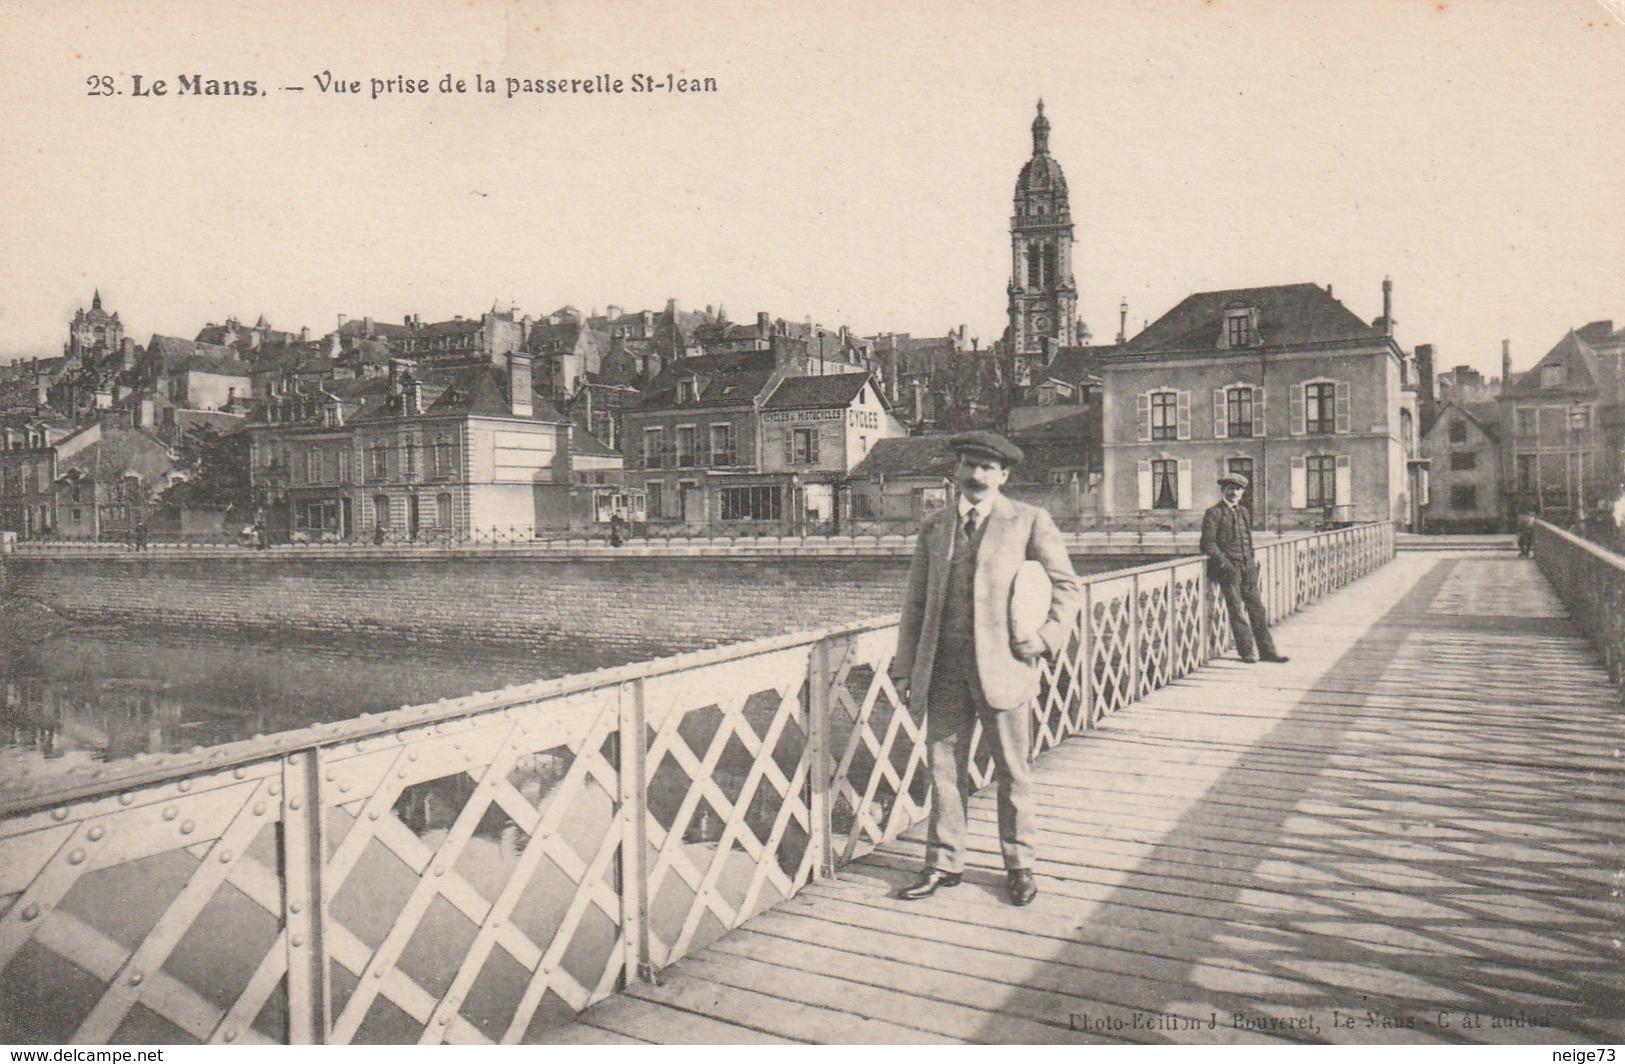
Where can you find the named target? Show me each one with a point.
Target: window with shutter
(1164, 484)
(1165, 418)
(1258, 411)
(1300, 491)
(1320, 408)
(1184, 424)
(1142, 416)
(1341, 404)
(1220, 415)
(1144, 484)
(1184, 483)
(1297, 411)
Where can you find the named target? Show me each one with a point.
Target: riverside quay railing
(476, 870)
(1591, 582)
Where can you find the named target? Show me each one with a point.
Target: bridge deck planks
(1419, 818)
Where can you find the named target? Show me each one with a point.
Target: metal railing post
(634, 816)
(304, 855)
(1134, 639)
(1086, 659)
(820, 675)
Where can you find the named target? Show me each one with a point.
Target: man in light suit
(1227, 540)
(959, 661)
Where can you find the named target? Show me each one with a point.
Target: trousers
(1249, 621)
(956, 705)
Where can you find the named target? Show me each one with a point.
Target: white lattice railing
(476, 870)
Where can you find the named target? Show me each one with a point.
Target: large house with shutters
(1283, 384)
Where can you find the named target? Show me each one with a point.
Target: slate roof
(908, 456)
(1579, 359)
(1484, 413)
(118, 452)
(482, 391)
(173, 354)
(1289, 315)
(835, 389)
(357, 327)
(586, 445)
(1074, 364)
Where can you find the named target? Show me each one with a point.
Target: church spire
(1040, 132)
(96, 300)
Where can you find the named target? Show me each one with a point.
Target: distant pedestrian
(617, 529)
(378, 535)
(1227, 540)
(1526, 535)
(141, 535)
(262, 536)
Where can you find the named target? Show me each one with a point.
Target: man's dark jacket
(1227, 541)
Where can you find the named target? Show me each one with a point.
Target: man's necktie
(970, 527)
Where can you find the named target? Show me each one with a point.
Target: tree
(216, 468)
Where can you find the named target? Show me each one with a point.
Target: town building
(33, 449)
(697, 420)
(1283, 384)
(814, 431)
(108, 482)
(1563, 426)
(1463, 449)
(421, 454)
(598, 489)
(902, 479)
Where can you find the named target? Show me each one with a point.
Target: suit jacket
(1014, 533)
(1227, 540)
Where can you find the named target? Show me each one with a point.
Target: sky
(855, 165)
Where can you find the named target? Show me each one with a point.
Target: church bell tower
(1043, 295)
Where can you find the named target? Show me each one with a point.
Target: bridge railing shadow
(1370, 857)
(479, 869)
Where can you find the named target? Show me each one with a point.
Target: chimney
(612, 312)
(126, 352)
(367, 322)
(304, 334)
(519, 384)
(1387, 307)
(143, 413)
(1506, 363)
(1122, 321)
(1329, 292)
(762, 327)
(342, 320)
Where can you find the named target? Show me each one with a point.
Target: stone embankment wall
(646, 603)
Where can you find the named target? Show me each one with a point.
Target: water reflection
(104, 693)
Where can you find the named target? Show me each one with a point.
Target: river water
(104, 693)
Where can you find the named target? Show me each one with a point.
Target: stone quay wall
(647, 602)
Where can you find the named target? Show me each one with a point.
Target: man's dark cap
(988, 445)
(1233, 478)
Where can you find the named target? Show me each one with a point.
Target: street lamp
(1579, 422)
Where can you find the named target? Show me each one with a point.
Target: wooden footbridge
(1411, 832)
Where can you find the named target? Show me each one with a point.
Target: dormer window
(1239, 327)
(685, 390)
(1553, 376)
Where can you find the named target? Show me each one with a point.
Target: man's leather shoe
(1021, 886)
(1277, 658)
(1248, 659)
(930, 881)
